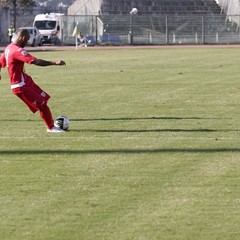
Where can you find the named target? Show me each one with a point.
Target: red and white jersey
(14, 58)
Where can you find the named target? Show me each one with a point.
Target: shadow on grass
(120, 151)
(140, 118)
(147, 130)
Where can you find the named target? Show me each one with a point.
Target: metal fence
(151, 30)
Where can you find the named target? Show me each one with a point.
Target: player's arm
(2, 63)
(44, 63)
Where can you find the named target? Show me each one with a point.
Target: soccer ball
(62, 122)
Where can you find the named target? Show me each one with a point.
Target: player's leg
(37, 100)
(46, 115)
(30, 105)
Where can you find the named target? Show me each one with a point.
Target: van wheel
(33, 43)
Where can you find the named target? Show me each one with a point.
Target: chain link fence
(151, 30)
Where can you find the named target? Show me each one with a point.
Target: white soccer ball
(134, 11)
(62, 122)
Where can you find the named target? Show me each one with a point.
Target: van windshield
(45, 25)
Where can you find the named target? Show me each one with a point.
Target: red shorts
(33, 96)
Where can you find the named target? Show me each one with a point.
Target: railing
(153, 30)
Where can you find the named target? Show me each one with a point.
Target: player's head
(22, 37)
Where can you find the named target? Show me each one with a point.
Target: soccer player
(22, 84)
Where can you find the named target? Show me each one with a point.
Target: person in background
(11, 31)
(22, 84)
(80, 37)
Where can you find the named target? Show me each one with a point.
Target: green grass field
(153, 150)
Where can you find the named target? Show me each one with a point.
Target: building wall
(230, 7)
(81, 7)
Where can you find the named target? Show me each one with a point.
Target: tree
(19, 4)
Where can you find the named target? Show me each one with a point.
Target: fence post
(61, 31)
(167, 33)
(131, 29)
(150, 38)
(203, 30)
(96, 32)
(174, 38)
(217, 39)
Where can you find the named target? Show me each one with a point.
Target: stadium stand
(152, 7)
(145, 7)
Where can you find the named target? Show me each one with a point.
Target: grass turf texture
(152, 153)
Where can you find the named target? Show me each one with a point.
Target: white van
(49, 26)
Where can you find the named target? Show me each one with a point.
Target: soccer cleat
(55, 130)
